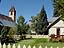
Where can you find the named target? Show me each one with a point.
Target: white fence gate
(19, 46)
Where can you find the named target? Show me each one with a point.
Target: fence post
(24, 46)
(0, 45)
(29, 46)
(34, 46)
(45, 46)
(13, 46)
(9, 46)
(40, 46)
(18, 46)
(4, 45)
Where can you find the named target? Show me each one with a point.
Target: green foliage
(22, 27)
(4, 38)
(40, 22)
(21, 20)
(59, 8)
(4, 31)
(12, 31)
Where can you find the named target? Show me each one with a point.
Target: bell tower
(12, 14)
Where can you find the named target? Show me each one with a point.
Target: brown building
(8, 21)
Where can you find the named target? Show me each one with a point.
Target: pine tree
(59, 8)
(43, 21)
(22, 27)
(40, 22)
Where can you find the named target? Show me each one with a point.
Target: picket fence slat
(34, 46)
(57, 47)
(13, 46)
(40, 46)
(18, 46)
(9, 46)
(45, 46)
(0, 45)
(24, 46)
(51, 47)
(29, 46)
(4, 45)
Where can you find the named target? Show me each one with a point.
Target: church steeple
(12, 9)
(12, 13)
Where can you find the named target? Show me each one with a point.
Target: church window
(11, 13)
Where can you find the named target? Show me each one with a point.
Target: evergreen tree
(59, 8)
(40, 22)
(22, 27)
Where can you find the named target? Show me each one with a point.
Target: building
(56, 26)
(8, 21)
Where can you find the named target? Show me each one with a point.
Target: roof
(4, 17)
(52, 19)
(12, 9)
(7, 23)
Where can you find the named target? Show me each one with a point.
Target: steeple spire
(12, 9)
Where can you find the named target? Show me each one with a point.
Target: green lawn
(42, 42)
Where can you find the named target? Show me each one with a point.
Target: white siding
(59, 24)
(61, 31)
(52, 31)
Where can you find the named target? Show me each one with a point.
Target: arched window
(11, 13)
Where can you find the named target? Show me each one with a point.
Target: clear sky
(26, 8)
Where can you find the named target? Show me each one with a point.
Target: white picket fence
(19, 46)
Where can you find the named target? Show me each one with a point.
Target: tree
(4, 35)
(11, 32)
(44, 22)
(4, 31)
(40, 22)
(58, 8)
(22, 26)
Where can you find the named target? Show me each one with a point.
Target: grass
(43, 42)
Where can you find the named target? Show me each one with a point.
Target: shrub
(52, 37)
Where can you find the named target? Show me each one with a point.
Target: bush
(6, 40)
(52, 37)
(55, 39)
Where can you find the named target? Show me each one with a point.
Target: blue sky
(26, 8)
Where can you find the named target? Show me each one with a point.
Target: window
(58, 31)
(11, 13)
